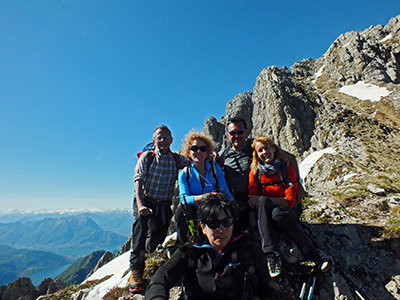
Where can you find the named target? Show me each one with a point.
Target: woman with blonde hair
(272, 191)
(202, 178)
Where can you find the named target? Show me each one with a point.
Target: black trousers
(150, 231)
(244, 211)
(272, 219)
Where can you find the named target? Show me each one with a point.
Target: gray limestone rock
(107, 257)
(21, 287)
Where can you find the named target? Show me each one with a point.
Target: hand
(215, 155)
(252, 202)
(214, 194)
(145, 211)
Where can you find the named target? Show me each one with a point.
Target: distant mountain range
(116, 220)
(72, 232)
(15, 263)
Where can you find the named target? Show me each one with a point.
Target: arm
(300, 189)
(184, 190)
(281, 194)
(143, 210)
(254, 193)
(167, 276)
(291, 192)
(141, 170)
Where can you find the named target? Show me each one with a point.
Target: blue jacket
(195, 187)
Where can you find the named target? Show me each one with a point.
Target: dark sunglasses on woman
(201, 148)
(227, 222)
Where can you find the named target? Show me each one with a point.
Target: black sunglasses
(234, 132)
(201, 148)
(227, 222)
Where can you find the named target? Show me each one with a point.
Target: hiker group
(234, 207)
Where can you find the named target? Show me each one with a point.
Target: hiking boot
(136, 282)
(323, 261)
(273, 263)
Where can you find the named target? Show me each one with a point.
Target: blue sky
(83, 84)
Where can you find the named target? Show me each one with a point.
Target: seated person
(202, 178)
(221, 264)
(277, 211)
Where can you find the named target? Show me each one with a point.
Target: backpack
(151, 147)
(153, 154)
(214, 172)
(284, 179)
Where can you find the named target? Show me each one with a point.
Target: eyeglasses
(227, 222)
(201, 148)
(234, 132)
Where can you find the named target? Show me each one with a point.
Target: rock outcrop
(108, 256)
(349, 189)
(22, 287)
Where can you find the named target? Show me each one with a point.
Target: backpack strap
(153, 154)
(150, 161)
(214, 172)
(259, 184)
(188, 173)
(284, 179)
(177, 160)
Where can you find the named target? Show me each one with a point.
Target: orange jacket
(276, 190)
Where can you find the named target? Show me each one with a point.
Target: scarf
(270, 169)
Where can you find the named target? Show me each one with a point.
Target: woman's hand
(252, 202)
(214, 194)
(200, 198)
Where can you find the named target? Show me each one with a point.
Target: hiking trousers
(150, 231)
(274, 219)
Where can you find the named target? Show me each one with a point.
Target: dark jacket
(210, 275)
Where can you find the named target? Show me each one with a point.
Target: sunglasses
(201, 148)
(227, 222)
(234, 132)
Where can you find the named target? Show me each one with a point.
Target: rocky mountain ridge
(72, 232)
(354, 192)
(117, 220)
(352, 208)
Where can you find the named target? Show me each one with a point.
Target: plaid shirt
(159, 178)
